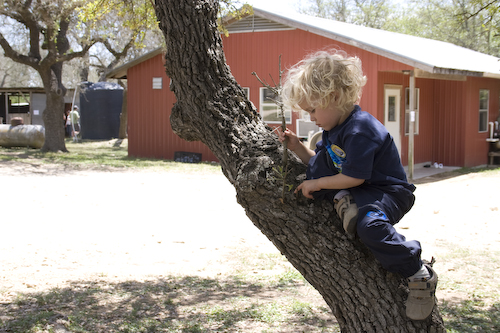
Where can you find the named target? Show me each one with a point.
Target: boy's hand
(308, 187)
(295, 145)
(293, 141)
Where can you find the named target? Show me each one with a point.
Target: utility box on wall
(100, 108)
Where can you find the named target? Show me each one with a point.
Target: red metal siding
(423, 151)
(388, 65)
(448, 130)
(476, 146)
(149, 131)
(150, 134)
(259, 52)
(448, 121)
(448, 138)
(457, 138)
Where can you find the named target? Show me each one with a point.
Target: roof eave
(450, 72)
(120, 72)
(492, 75)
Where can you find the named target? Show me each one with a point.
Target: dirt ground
(60, 225)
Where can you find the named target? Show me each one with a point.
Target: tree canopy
(474, 24)
(369, 13)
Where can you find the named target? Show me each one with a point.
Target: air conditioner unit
(304, 127)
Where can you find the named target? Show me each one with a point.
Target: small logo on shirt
(338, 151)
(337, 155)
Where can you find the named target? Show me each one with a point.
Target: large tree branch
(118, 53)
(73, 55)
(62, 42)
(118, 56)
(16, 56)
(22, 14)
(212, 108)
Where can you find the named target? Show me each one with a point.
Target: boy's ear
(333, 97)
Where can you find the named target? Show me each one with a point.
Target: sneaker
(348, 212)
(422, 297)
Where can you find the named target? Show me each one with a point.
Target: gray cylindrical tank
(100, 108)
(22, 136)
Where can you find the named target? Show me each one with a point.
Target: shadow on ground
(471, 316)
(173, 304)
(194, 304)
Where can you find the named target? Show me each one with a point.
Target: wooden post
(411, 130)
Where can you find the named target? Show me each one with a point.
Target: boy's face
(326, 118)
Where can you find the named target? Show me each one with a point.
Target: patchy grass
(100, 155)
(263, 294)
(475, 276)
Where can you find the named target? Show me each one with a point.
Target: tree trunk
(53, 114)
(211, 107)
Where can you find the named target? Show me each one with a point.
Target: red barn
(457, 91)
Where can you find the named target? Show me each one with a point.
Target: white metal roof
(422, 53)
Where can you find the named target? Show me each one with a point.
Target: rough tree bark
(211, 108)
(51, 74)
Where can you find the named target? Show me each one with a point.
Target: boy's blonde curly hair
(323, 76)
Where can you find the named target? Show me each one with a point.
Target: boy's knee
(371, 224)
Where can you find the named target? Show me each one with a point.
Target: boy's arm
(336, 182)
(304, 153)
(295, 145)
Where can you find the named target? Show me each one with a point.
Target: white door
(392, 111)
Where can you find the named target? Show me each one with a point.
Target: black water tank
(100, 108)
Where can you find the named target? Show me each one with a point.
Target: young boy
(357, 166)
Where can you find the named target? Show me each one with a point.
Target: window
(19, 103)
(407, 110)
(484, 96)
(391, 116)
(269, 111)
